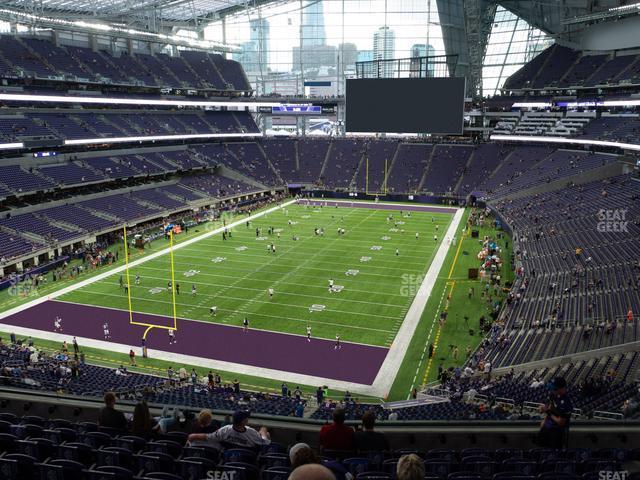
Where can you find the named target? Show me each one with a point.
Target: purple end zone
(278, 351)
(378, 206)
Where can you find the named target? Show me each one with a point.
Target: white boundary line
(383, 381)
(389, 369)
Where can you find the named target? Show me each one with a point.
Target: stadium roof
(127, 10)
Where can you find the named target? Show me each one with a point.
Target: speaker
(473, 274)
(475, 233)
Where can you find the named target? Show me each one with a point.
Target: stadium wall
(401, 435)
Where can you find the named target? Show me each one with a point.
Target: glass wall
(320, 41)
(512, 43)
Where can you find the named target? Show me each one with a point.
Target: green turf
(414, 367)
(369, 309)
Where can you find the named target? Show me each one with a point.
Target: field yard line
(389, 369)
(262, 290)
(140, 261)
(285, 283)
(305, 254)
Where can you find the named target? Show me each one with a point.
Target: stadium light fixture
(566, 141)
(19, 97)
(158, 138)
(8, 146)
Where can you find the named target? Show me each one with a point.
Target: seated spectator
(169, 421)
(410, 467)
(312, 471)
(236, 435)
(337, 436)
(204, 423)
(142, 423)
(302, 454)
(368, 439)
(109, 416)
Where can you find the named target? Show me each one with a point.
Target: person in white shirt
(308, 333)
(238, 435)
(213, 310)
(270, 291)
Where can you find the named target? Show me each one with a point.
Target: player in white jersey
(270, 292)
(331, 285)
(397, 252)
(435, 238)
(245, 325)
(337, 346)
(417, 235)
(137, 279)
(172, 336)
(193, 289)
(105, 331)
(308, 333)
(57, 324)
(213, 310)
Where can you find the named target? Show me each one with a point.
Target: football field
(350, 270)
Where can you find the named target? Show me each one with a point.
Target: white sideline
(391, 365)
(382, 383)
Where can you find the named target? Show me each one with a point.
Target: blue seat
(374, 476)
(78, 452)
(194, 467)
(512, 476)
(119, 472)
(275, 460)
(62, 470)
(155, 462)
(557, 476)
(18, 466)
(245, 471)
(96, 439)
(164, 476)
(438, 467)
(116, 456)
(8, 443)
(356, 465)
(131, 442)
(520, 466)
(275, 473)
(465, 476)
(239, 455)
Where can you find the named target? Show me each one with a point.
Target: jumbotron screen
(405, 105)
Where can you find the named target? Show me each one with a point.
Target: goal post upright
(173, 281)
(126, 260)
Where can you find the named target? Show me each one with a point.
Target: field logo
(293, 222)
(261, 239)
(410, 284)
(316, 307)
(305, 216)
(613, 221)
(393, 230)
(365, 259)
(399, 222)
(385, 238)
(277, 230)
(157, 290)
(218, 259)
(191, 273)
(241, 248)
(24, 288)
(352, 272)
(376, 247)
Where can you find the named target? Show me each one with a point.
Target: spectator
(368, 439)
(337, 436)
(204, 423)
(555, 427)
(236, 435)
(312, 471)
(142, 423)
(109, 416)
(302, 454)
(410, 467)
(169, 422)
